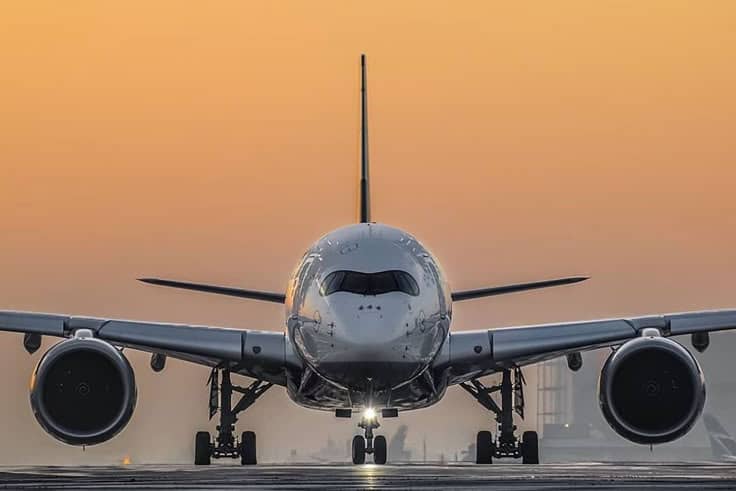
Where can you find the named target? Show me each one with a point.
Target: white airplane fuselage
(368, 309)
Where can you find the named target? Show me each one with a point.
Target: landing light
(369, 413)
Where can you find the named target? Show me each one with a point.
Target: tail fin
(365, 204)
(721, 443)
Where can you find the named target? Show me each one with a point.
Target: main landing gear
(225, 444)
(506, 445)
(369, 444)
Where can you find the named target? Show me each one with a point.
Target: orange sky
(216, 141)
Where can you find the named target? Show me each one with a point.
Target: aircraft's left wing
(471, 354)
(259, 354)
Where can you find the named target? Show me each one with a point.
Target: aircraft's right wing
(259, 354)
(472, 354)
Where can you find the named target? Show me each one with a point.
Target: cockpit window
(369, 283)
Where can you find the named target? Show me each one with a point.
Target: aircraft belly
(310, 390)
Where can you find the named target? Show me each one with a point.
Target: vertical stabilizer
(365, 204)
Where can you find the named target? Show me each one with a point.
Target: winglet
(365, 205)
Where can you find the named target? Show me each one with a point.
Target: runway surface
(516, 477)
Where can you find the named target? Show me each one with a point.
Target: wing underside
(467, 354)
(473, 354)
(257, 354)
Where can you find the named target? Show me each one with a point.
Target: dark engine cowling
(83, 391)
(651, 390)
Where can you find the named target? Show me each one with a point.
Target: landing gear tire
(530, 448)
(379, 450)
(484, 448)
(248, 448)
(358, 450)
(202, 448)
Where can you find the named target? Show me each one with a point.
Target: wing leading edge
(473, 354)
(259, 354)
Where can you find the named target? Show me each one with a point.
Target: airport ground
(599, 476)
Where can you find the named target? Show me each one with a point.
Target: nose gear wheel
(369, 444)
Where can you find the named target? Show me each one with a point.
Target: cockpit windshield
(369, 283)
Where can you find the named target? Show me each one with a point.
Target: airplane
(367, 331)
(721, 442)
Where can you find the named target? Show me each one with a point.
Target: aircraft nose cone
(366, 340)
(370, 332)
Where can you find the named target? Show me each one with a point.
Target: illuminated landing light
(369, 414)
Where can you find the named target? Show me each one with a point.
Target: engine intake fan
(83, 390)
(651, 390)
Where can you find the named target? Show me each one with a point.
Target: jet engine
(651, 390)
(83, 390)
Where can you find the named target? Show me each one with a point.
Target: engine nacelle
(651, 390)
(83, 391)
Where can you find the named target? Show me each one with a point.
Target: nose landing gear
(507, 445)
(369, 444)
(225, 444)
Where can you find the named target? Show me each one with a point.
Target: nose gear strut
(369, 444)
(507, 444)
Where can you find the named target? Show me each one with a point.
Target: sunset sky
(214, 141)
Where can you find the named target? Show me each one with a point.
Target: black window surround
(369, 283)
